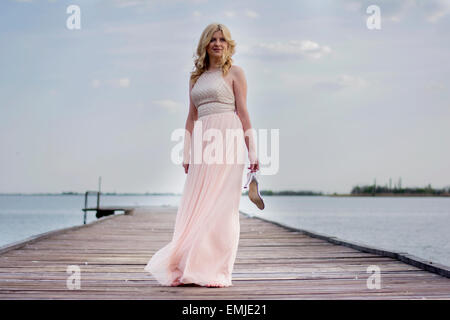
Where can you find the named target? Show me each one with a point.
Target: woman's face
(217, 45)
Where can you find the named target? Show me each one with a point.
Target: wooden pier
(273, 262)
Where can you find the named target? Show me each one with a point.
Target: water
(25, 216)
(416, 225)
(419, 226)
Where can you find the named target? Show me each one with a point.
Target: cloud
(292, 48)
(124, 82)
(251, 14)
(150, 3)
(115, 83)
(346, 80)
(341, 82)
(119, 83)
(353, 5)
(95, 83)
(435, 10)
(314, 81)
(230, 14)
(169, 105)
(128, 3)
(435, 86)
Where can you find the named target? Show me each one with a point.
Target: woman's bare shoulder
(237, 73)
(237, 69)
(191, 83)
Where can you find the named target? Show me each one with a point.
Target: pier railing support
(86, 202)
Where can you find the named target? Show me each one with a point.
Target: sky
(352, 104)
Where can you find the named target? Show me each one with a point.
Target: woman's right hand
(186, 167)
(254, 166)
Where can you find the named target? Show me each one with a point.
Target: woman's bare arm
(240, 93)
(193, 114)
(191, 118)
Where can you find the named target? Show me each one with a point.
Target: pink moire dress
(206, 234)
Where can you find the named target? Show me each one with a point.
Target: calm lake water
(419, 226)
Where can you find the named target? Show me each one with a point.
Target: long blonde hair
(201, 61)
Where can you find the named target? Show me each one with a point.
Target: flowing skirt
(206, 233)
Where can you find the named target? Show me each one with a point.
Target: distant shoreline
(390, 195)
(82, 194)
(263, 193)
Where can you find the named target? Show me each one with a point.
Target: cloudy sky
(352, 104)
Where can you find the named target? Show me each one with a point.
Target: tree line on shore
(374, 189)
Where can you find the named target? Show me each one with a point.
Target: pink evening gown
(206, 233)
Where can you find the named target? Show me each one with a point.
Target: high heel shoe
(250, 175)
(253, 192)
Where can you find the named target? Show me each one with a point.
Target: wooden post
(98, 194)
(85, 206)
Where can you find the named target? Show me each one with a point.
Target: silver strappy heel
(253, 192)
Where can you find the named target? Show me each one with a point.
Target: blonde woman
(206, 234)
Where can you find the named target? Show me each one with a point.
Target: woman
(206, 234)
